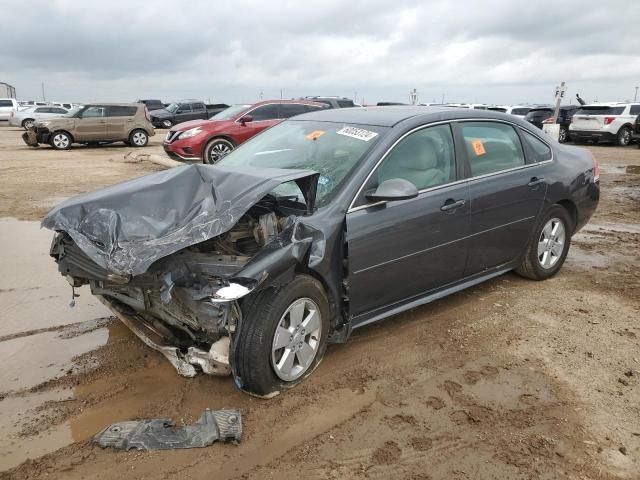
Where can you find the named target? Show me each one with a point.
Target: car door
(398, 250)
(91, 125)
(199, 111)
(262, 117)
(184, 113)
(119, 121)
(507, 193)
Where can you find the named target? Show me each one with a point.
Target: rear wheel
(624, 136)
(217, 149)
(283, 336)
(61, 140)
(138, 138)
(563, 136)
(28, 123)
(548, 246)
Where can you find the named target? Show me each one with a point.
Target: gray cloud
(494, 51)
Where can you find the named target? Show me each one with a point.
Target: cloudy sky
(492, 51)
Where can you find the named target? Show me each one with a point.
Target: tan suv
(94, 124)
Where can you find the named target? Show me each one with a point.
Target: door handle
(452, 204)
(535, 181)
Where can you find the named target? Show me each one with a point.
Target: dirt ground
(512, 379)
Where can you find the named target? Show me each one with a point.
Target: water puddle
(39, 338)
(33, 295)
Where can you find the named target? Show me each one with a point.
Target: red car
(212, 139)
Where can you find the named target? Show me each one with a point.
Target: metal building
(7, 91)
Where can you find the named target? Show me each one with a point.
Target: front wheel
(138, 138)
(624, 137)
(217, 149)
(28, 123)
(548, 246)
(167, 124)
(283, 336)
(61, 141)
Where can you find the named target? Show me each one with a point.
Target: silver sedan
(28, 117)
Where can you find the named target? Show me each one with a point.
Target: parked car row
(183, 111)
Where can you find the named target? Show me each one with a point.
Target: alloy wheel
(167, 124)
(60, 140)
(219, 150)
(139, 139)
(551, 243)
(296, 340)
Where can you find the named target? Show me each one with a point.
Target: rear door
(507, 192)
(120, 121)
(402, 249)
(92, 125)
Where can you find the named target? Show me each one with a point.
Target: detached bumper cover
(162, 434)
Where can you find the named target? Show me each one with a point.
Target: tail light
(146, 114)
(548, 120)
(608, 120)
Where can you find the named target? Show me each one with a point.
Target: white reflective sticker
(359, 133)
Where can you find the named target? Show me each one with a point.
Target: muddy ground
(511, 379)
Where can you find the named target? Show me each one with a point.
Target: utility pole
(43, 97)
(635, 97)
(413, 96)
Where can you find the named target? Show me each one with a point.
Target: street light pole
(635, 97)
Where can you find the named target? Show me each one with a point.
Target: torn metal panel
(127, 227)
(162, 434)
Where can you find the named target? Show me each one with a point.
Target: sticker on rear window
(359, 133)
(478, 147)
(316, 134)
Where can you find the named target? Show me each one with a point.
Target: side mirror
(393, 189)
(246, 119)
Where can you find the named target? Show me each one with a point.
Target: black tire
(61, 140)
(531, 266)
(216, 149)
(253, 357)
(138, 138)
(623, 138)
(166, 123)
(563, 136)
(28, 123)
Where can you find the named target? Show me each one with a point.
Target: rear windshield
(600, 110)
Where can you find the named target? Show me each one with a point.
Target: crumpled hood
(126, 227)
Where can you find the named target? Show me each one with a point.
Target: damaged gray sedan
(323, 223)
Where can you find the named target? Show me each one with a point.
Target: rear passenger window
(426, 158)
(539, 150)
(634, 110)
(6, 103)
(491, 147)
(122, 111)
(42, 110)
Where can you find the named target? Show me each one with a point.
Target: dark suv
(541, 115)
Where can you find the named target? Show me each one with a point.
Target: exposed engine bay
(185, 301)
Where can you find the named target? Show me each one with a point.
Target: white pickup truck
(7, 105)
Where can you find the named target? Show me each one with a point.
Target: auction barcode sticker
(359, 133)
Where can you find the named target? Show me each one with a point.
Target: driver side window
(425, 158)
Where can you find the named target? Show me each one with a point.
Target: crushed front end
(185, 303)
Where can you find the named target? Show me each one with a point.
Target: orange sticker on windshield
(316, 134)
(478, 147)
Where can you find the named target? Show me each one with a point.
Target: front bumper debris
(162, 434)
(212, 362)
